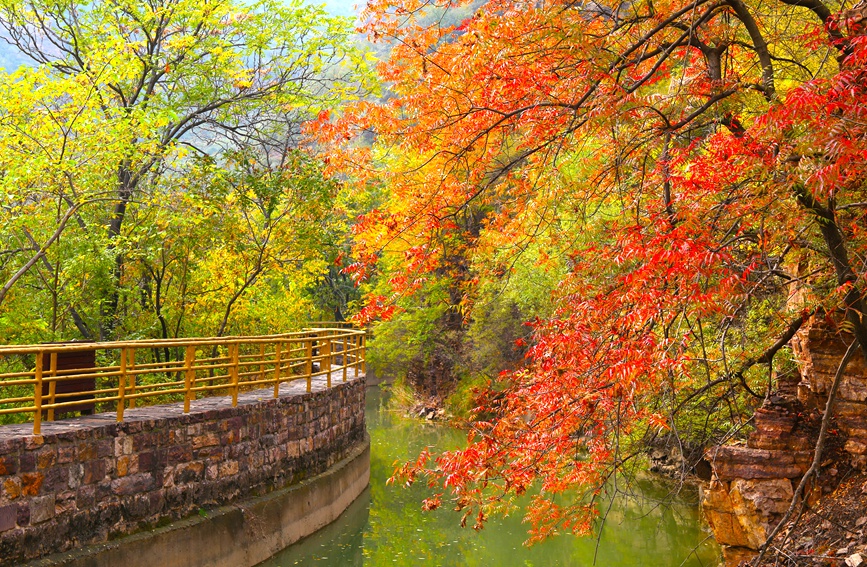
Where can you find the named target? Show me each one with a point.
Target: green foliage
(152, 154)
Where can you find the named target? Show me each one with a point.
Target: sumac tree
(695, 170)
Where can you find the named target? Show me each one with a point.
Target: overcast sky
(340, 7)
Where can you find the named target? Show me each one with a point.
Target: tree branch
(846, 277)
(40, 253)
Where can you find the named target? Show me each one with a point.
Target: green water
(386, 527)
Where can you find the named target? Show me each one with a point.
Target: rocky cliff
(753, 485)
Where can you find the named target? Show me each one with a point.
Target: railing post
(345, 357)
(130, 367)
(52, 385)
(121, 385)
(278, 352)
(189, 376)
(233, 358)
(363, 353)
(262, 362)
(37, 395)
(328, 357)
(355, 353)
(309, 364)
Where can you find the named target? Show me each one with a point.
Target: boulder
(719, 511)
(758, 505)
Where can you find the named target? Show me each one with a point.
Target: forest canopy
(154, 182)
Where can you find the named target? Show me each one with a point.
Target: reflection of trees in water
(386, 526)
(340, 543)
(651, 520)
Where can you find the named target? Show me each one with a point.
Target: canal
(386, 526)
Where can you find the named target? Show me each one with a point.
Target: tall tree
(696, 168)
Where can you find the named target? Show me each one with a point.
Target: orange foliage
(721, 139)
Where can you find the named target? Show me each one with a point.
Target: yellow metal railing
(170, 370)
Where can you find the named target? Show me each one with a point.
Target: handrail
(201, 367)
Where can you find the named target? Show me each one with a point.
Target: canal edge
(242, 534)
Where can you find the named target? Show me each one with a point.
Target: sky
(340, 7)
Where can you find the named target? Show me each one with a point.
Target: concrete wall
(89, 480)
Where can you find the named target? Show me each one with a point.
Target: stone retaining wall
(87, 480)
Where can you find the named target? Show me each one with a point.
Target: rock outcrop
(819, 351)
(753, 485)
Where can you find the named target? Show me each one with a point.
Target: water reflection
(386, 526)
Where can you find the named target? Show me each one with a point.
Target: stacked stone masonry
(89, 479)
(753, 485)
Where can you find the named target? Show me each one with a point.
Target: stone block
(144, 441)
(33, 442)
(11, 488)
(46, 458)
(85, 497)
(104, 448)
(228, 469)
(123, 446)
(27, 462)
(133, 484)
(55, 479)
(31, 483)
(146, 461)
(8, 517)
(42, 509)
(210, 453)
(66, 455)
(126, 465)
(136, 506)
(179, 454)
(188, 472)
(11, 445)
(103, 490)
(8, 464)
(86, 451)
(157, 501)
(23, 514)
(209, 439)
(64, 502)
(93, 471)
